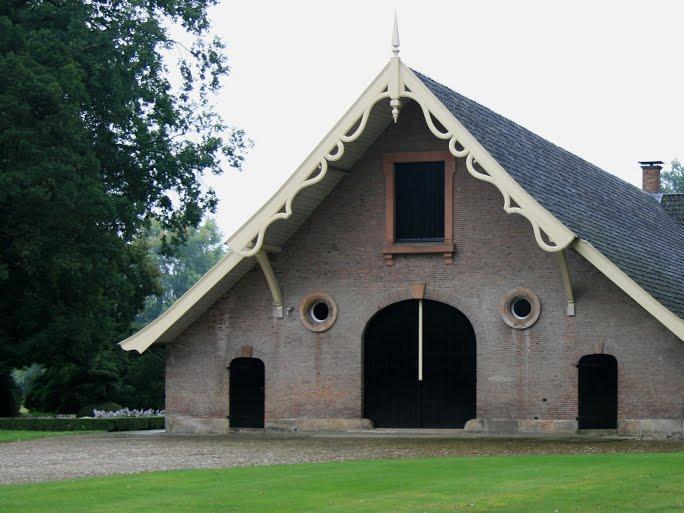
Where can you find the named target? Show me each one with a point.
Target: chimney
(651, 175)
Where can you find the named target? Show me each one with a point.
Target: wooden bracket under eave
(273, 285)
(567, 283)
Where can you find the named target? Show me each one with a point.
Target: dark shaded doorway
(598, 392)
(246, 393)
(393, 394)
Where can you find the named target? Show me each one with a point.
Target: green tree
(95, 142)
(143, 378)
(673, 178)
(202, 248)
(25, 377)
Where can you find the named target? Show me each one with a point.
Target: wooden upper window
(419, 204)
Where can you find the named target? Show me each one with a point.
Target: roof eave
(395, 81)
(666, 317)
(242, 243)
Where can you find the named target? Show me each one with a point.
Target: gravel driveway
(121, 453)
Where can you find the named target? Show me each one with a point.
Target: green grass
(12, 435)
(525, 484)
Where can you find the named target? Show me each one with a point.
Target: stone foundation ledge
(181, 424)
(652, 428)
(641, 428)
(638, 428)
(522, 426)
(338, 424)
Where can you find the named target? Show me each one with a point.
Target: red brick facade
(521, 374)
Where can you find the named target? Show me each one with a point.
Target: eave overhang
(276, 220)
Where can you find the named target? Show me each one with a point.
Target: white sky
(604, 80)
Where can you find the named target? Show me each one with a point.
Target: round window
(520, 308)
(318, 312)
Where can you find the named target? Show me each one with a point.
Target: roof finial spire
(394, 86)
(395, 36)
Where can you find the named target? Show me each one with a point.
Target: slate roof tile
(673, 204)
(627, 225)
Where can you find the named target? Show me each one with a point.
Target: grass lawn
(525, 484)
(20, 436)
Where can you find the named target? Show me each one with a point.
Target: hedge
(87, 424)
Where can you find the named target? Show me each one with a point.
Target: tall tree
(673, 178)
(143, 375)
(95, 142)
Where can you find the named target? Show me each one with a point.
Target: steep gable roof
(568, 202)
(624, 223)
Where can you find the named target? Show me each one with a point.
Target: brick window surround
(391, 247)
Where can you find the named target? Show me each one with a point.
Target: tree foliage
(96, 140)
(673, 178)
(143, 379)
(65, 388)
(131, 379)
(203, 247)
(10, 396)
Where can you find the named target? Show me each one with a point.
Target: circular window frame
(307, 317)
(506, 308)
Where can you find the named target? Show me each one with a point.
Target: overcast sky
(604, 80)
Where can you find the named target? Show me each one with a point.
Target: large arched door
(246, 394)
(598, 392)
(394, 394)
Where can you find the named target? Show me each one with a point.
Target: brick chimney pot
(651, 176)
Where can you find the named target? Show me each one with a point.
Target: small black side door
(246, 393)
(598, 392)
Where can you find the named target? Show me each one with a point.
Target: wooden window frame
(391, 247)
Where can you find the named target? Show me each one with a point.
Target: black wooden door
(598, 394)
(391, 391)
(448, 389)
(393, 394)
(246, 393)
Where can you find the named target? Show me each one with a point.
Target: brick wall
(338, 251)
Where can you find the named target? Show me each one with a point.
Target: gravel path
(122, 453)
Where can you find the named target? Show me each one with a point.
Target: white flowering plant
(126, 412)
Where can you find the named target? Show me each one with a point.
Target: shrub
(87, 424)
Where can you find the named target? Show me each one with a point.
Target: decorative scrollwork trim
(248, 240)
(549, 233)
(558, 236)
(394, 81)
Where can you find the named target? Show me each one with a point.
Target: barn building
(432, 264)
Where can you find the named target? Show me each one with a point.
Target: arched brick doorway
(394, 394)
(246, 393)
